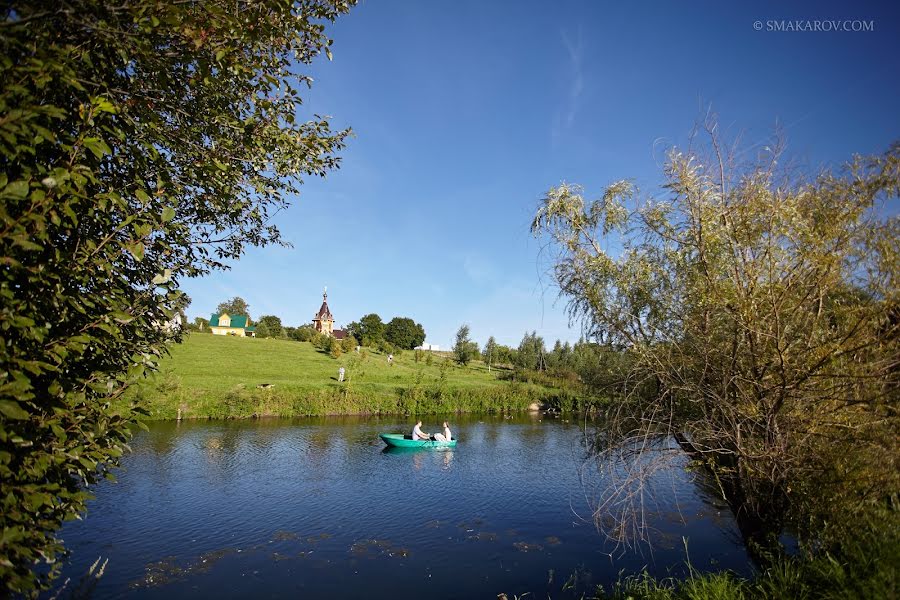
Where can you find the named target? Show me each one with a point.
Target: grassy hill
(222, 376)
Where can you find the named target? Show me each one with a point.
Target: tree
(757, 317)
(235, 306)
(334, 348)
(273, 326)
(552, 358)
(464, 349)
(304, 333)
(321, 341)
(349, 343)
(531, 352)
(263, 331)
(490, 352)
(404, 333)
(201, 324)
(143, 143)
(371, 329)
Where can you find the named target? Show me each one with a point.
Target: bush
(321, 341)
(348, 344)
(263, 331)
(304, 333)
(334, 348)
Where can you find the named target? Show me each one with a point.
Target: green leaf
(16, 189)
(11, 409)
(137, 250)
(97, 146)
(142, 196)
(58, 431)
(168, 214)
(105, 105)
(163, 277)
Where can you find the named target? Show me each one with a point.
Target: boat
(398, 440)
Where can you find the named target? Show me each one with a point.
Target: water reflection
(292, 506)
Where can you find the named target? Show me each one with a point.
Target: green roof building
(237, 325)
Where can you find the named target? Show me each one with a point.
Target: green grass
(220, 376)
(865, 566)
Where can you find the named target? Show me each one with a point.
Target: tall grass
(865, 566)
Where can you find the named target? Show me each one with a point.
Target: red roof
(339, 334)
(324, 312)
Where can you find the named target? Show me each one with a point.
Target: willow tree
(757, 313)
(140, 143)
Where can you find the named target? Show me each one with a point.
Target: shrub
(304, 333)
(348, 344)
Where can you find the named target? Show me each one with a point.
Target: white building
(429, 347)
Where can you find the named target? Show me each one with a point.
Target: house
(323, 322)
(429, 347)
(225, 324)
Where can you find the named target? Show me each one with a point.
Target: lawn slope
(222, 376)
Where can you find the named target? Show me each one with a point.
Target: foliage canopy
(757, 314)
(404, 333)
(140, 143)
(235, 306)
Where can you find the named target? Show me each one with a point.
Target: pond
(319, 508)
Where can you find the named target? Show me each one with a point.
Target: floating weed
(527, 547)
(552, 540)
(169, 569)
(284, 536)
(483, 536)
(471, 525)
(373, 548)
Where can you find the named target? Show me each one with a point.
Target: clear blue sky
(465, 112)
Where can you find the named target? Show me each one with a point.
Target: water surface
(318, 508)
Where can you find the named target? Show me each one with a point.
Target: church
(323, 322)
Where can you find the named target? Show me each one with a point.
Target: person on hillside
(341, 374)
(446, 436)
(391, 359)
(417, 433)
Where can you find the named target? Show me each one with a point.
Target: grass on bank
(864, 564)
(225, 377)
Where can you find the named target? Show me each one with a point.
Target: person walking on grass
(341, 374)
(391, 359)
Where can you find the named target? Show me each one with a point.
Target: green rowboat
(397, 440)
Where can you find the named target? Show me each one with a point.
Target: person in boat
(417, 433)
(444, 437)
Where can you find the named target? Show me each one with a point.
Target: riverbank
(229, 377)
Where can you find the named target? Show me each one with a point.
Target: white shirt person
(417, 432)
(446, 436)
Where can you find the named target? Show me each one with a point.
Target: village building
(323, 322)
(237, 325)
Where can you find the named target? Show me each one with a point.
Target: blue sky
(464, 113)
